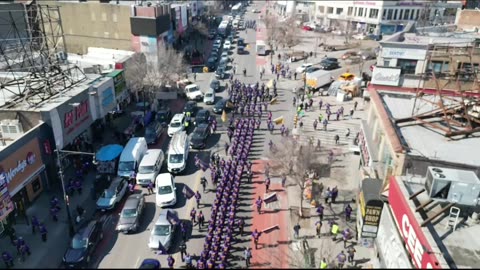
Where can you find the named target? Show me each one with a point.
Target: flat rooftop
(459, 251)
(425, 141)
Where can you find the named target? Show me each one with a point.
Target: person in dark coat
(170, 261)
(198, 196)
(35, 224)
(43, 232)
(7, 259)
(183, 250)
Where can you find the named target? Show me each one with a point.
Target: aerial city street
(239, 134)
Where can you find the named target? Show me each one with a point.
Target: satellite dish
(437, 170)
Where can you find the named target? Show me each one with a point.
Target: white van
(178, 152)
(165, 190)
(150, 166)
(131, 156)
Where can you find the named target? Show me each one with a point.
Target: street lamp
(71, 228)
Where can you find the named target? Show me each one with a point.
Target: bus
(237, 9)
(261, 47)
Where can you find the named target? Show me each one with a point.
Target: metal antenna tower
(33, 59)
(455, 106)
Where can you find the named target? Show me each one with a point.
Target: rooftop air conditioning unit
(453, 186)
(11, 129)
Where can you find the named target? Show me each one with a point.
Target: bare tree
(149, 72)
(288, 35)
(295, 166)
(273, 27)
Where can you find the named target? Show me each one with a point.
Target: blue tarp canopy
(109, 152)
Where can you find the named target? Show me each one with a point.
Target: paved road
(127, 251)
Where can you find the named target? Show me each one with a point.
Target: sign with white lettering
(386, 76)
(415, 241)
(404, 53)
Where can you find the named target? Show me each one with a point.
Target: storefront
(388, 244)
(22, 172)
(414, 240)
(102, 98)
(122, 95)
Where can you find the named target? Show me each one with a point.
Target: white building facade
(374, 17)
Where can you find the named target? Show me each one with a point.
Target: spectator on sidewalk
(43, 232)
(247, 255)
(267, 184)
(201, 219)
(341, 258)
(351, 254)
(203, 181)
(188, 261)
(284, 180)
(334, 194)
(296, 230)
(320, 210)
(10, 231)
(355, 105)
(7, 259)
(351, 113)
(348, 212)
(328, 194)
(193, 215)
(323, 264)
(241, 225)
(183, 229)
(35, 224)
(337, 138)
(318, 228)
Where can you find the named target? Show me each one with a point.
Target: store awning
(109, 152)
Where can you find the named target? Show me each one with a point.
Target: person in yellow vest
(335, 230)
(323, 264)
(187, 121)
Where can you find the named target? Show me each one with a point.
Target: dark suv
(83, 245)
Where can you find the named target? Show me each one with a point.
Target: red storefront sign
(415, 241)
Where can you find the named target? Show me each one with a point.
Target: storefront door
(20, 201)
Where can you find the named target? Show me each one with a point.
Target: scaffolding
(451, 112)
(33, 58)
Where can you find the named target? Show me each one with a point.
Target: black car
(220, 73)
(190, 106)
(164, 117)
(202, 117)
(215, 85)
(150, 264)
(221, 105)
(153, 132)
(328, 65)
(199, 136)
(240, 49)
(83, 245)
(241, 42)
(329, 59)
(211, 64)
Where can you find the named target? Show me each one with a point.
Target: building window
(407, 14)
(395, 14)
(365, 14)
(384, 16)
(373, 13)
(350, 10)
(412, 15)
(400, 14)
(408, 66)
(339, 11)
(321, 9)
(418, 14)
(330, 10)
(390, 13)
(386, 62)
(360, 12)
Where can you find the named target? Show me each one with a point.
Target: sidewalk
(49, 254)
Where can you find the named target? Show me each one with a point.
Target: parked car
(227, 45)
(153, 132)
(307, 28)
(328, 65)
(241, 42)
(329, 59)
(83, 245)
(223, 104)
(209, 97)
(166, 190)
(303, 67)
(211, 34)
(163, 231)
(193, 92)
(202, 117)
(113, 194)
(215, 85)
(240, 49)
(190, 106)
(164, 116)
(211, 64)
(177, 124)
(200, 135)
(255, 11)
(220, 73)
(150, 264)
(349, 54)
(131, 214)
(367, 54)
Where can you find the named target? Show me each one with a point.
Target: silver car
(131, 213)
(163, 231)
